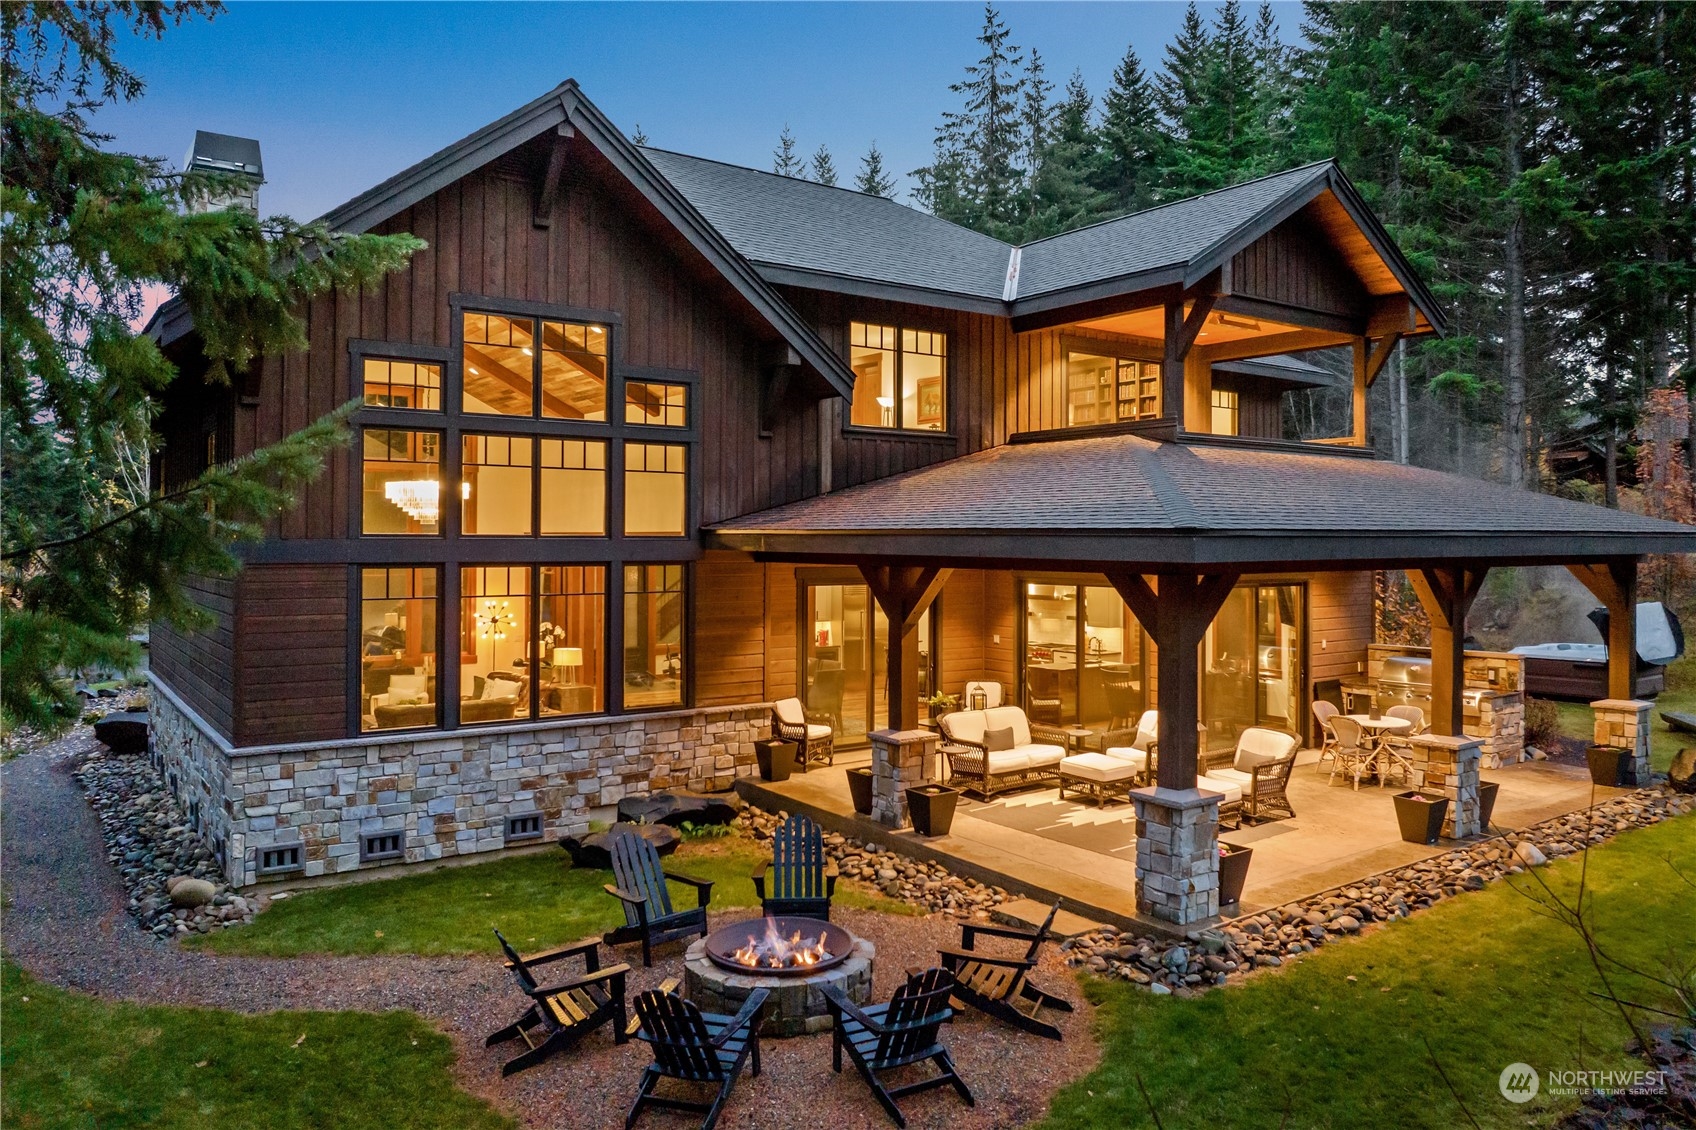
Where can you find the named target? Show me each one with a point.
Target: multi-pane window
(656, 489)
(494, 643)
(653, 635)
(1110, 390)
(397, 648)
(900, 378)
(571, 639)
(402, 481)
(403, 384)
(574, 487)
(495, 492)
(656, 404)
(1225, 421)
(528, 367)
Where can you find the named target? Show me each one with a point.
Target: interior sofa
(992, 751)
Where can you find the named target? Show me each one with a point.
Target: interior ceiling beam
(548, 194)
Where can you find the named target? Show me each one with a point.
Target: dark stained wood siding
(291, 661)
(1260, 405)
(1294, 265)
(1339, 624)
(200, 666)
(730, 629)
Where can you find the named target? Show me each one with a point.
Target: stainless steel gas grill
(1405, 680)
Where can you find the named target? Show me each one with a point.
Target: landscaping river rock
(172, 877)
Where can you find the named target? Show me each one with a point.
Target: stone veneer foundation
(449, 793)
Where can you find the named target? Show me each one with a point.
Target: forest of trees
(1534, 160)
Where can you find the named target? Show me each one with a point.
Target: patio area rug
(1109, 831)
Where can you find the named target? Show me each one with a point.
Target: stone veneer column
(1449, 766)
(899, 758)
(1177, 854)
(1624, 723)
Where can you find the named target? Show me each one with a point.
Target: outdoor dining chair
(1353, 754)
(1323, 712)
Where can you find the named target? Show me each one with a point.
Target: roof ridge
(1152, 208)
(1174, 503)
(820, 184)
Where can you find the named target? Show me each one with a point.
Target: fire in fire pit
(779, 946)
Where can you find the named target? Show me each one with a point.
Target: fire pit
(792, 958)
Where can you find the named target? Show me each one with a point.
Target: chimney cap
(222, 153)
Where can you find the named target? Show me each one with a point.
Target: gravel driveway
(65, 922)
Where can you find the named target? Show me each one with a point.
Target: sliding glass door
(1083, 657)
(1252, 663)
(844, 650)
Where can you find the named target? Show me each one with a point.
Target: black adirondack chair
(903, 1032)
(1000, 986)
(797, 880)
(560, 1015)
(648, 914)
(695, 1047)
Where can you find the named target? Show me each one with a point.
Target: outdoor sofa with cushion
(991, 751)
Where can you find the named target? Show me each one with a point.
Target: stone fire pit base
(796, 1006)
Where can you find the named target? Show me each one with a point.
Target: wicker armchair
(1261, 769)
(974, 768)
(811, 732)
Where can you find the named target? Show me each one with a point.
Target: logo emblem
(1519, 1082)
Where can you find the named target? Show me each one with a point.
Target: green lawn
(1337, 1040)
(74, 1061)
(1577, 721)
(536, 900)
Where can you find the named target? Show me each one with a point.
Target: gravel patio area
(66, 923)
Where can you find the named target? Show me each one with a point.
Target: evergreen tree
(786, 158)
(1064, 193)
(1178, 92)
(1132, 142)
(974, 178)
(1037, 117)
(873, 177)
(824, 169)
(87, 555)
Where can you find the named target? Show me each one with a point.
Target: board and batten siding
(200, 665)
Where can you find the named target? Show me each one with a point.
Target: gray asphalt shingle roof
(1171, 234)
(803, 225)
(1126, 484)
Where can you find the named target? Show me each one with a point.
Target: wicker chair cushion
(1260, 746)
(1137, 759)
(1098, 767)
(1215, 784)
(790, 711)
(1148, 730)
(1002, 716)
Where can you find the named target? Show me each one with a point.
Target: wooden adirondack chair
(695, 1047)
(898, 1034)
(649, 916)
(560, 1015)
(801, 881)
(999, 986)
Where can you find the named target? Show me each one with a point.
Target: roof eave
(805, 278)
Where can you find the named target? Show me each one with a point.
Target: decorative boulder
(679, 808)
(1681, 774)
(123, 732)
(190, 893)
(594, 850)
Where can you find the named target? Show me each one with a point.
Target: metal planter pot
(1486, 803)
(1610, 766)
(776, 759)
(860, 789)
(1233, 872)
(932, 808)
(1420, 817)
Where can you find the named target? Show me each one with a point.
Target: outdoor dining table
(1378, 731)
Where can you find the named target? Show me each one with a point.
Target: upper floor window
(402, 481)
(656, 489)
(656, 404)
(529, 367)
(403, 384)
(1110, 390)
(1225, 420)
(900, 377)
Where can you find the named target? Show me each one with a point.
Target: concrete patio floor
(1338, 835)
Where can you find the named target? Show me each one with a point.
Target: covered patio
(1171, 526)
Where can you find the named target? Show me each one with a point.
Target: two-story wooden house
(650, 441)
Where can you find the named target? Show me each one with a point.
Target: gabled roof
(1283, 367)
(1128, 499)
(784, 224)
(566, 106)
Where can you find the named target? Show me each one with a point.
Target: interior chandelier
(420, 498)
(494, 620)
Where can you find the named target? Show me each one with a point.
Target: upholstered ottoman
(1098, 775)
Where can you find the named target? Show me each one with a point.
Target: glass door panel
(1279, 655)
(1252, 673)
(844, 638)
(1111, 689)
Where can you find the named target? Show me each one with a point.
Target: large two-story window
(653, 635)
(900, 378)
(1103, 389)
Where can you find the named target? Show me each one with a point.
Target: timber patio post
(1447, 592)
(1177, 822)
(901, 751)
(1621, 719)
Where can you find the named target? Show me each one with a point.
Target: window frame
(1142, 353)
(356, 650)
(898, 430)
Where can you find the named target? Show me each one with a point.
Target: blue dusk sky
(342, 96)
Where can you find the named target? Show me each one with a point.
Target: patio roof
(1123, 499)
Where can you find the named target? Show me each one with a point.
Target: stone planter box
(1486, 803)
(860, 789)
(776, 759)
(1421, 817)
(1233, 872)
(932, 808)
(1610, 766)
